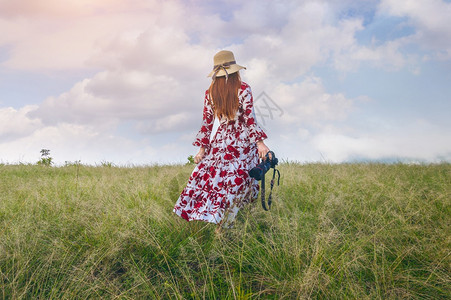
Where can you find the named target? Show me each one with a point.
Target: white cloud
(56, 35)
(309, 103)
(70, 142)
(306, 108)
(309, 37)
(15, 123)
(173, 122)
(387, 56)
(418, 141)
(430, 19)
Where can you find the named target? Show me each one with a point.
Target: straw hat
(224, 64)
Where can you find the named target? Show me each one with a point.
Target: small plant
(190, 160)
(68, 163)
(46, 159)
(106, 164)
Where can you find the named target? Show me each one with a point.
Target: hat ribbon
(224, 67)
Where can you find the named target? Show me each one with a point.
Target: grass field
(358, 231)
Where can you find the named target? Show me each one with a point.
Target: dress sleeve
(255, 132)
(203, 136)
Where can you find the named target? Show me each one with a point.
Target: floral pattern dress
(220, 184)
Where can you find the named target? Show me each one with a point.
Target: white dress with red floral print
(220, 184)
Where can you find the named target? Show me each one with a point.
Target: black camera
(260, 170)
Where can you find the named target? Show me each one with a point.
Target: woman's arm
(203, 136)
(199, 155)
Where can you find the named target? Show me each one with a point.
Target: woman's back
(220, 184)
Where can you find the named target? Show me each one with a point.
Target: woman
(220, 184)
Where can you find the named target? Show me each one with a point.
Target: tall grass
(335, 231)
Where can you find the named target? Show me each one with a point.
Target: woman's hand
(262, 149)
(199, 155)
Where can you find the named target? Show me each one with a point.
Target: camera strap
(270, 192)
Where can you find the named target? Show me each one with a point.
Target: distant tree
(46, 159)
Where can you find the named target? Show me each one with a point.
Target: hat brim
(230, 70)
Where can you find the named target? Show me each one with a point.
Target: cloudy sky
(122, 81)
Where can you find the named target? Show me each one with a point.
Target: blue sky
(123, 81)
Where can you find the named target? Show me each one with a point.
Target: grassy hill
(335, 231)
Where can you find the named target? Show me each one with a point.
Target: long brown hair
(224, 95)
